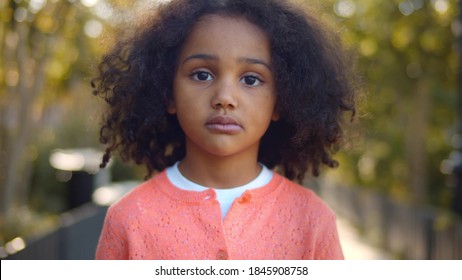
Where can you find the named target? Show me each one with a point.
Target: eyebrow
(249, 60)
(200, 56)
(246, 60)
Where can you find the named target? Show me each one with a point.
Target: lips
(223, 124)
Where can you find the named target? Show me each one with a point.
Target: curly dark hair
(311, 71)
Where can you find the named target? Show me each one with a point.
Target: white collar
(183, 183)
(224, 196)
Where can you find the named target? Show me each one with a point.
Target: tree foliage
(46, 48)
(407, 57)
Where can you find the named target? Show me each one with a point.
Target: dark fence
(409, 232)
(75, 239)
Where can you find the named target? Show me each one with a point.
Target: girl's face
(223, 89)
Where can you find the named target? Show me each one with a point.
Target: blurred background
(397, 193)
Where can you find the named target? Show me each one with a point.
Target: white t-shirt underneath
(224, 196)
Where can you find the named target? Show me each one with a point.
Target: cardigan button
(222, 255)
(209, 194)
(245, 198)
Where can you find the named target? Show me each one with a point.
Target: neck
(220, 172)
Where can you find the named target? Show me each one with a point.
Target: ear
(171, 108)
(275, 116)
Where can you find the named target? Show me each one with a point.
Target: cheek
(271, 108)
(263, 115)
(179, 95)
(189, 114)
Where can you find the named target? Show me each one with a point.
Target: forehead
(227, 33)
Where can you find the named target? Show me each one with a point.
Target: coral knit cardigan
(281, 220)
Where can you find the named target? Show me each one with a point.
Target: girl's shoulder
(144, 193)
(302, 196)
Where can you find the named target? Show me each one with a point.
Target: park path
(356, 247)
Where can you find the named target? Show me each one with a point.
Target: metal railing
(407, 231)
(75, 239)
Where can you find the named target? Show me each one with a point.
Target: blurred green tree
(407, 57)
(45, 48)
(49, 50)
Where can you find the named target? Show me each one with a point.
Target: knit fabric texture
(281, 220)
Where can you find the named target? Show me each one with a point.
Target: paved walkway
(355, 247)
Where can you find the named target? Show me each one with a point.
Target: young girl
(215, 95)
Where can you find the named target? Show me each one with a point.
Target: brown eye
(201, 76)
(251, 80)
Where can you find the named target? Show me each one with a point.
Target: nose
(225, 95)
